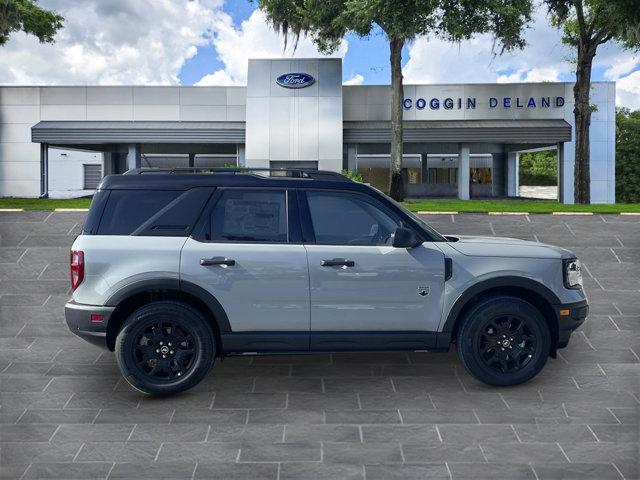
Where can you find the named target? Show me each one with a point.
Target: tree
(627, 156)
(328, 21)
(539, 168)
(587, 24)
(28, 17)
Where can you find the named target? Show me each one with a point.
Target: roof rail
(284, 172)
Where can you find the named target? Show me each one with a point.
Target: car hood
(504, 247)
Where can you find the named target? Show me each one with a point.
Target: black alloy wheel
(503, 340)
(165, 347)
(507, 343)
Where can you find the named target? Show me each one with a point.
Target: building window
(414, 176)
(480, 175)
(92, 176)
(443, 175)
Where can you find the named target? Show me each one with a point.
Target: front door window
(348, 219)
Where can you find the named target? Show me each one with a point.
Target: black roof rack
(275, 172)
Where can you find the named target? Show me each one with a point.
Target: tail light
(77, 268)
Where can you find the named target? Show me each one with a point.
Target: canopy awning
(475, 131)
(434, 131)
(59, 132)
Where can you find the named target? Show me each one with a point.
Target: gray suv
(176, 268)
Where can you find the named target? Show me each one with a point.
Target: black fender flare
(178, 285)
(485, 285)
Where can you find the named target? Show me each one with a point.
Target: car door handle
(337, 262)
(217, 261)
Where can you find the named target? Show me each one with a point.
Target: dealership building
(460, 140)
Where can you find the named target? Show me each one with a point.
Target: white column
(351, 157)
(133, 156)
(463, 171)
(513, 167)
(241, 156)
(565, 185)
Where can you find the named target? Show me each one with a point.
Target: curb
(11, 209)
(70, 209)
(528, 213)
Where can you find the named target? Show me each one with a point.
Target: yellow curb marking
(572, 213)
(437, 213)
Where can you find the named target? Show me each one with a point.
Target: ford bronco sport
(176, 268)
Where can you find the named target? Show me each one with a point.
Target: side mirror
(405, 238)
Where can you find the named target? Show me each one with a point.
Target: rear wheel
(165, 348)
(503, 341)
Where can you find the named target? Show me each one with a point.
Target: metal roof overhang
(78, 133)
(475, 131)
(435, 131)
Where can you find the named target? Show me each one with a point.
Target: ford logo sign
(295, 80)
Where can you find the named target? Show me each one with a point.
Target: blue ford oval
(295, 80)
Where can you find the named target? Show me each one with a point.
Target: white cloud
(545, 58)
(531, 75)
(628, 91)
(622, 65)
(357, 79)
(114, 42)
(219, 77)
(621, 69)
(436, 61)
(253, 39)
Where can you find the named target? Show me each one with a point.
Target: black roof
(186, 178)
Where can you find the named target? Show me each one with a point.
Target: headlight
(572, 273)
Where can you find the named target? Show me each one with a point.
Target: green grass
(44, 203)
(433, 205)
(530, 206)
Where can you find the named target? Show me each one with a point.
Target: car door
(366, 294)
(246, 257)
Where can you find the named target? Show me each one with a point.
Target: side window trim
(96, 210)
(309, 232)
(201, 232)
(308, 235)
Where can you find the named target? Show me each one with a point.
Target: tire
(503, 341)
(175, 330)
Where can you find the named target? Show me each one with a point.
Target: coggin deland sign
(302, 80)
(469, 103)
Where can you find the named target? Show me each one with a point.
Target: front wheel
(503, 341)
(164, 348)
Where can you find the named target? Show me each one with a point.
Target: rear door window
(250, 216)
(126, 210)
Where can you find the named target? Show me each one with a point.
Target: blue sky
(368, 56)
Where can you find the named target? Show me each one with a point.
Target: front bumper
(570, 316)
(84, 321)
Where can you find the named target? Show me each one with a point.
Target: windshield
(438, 237)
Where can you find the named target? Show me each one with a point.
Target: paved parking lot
(66, 412)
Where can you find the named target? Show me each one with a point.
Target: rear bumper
(79, 319)
(570, 316)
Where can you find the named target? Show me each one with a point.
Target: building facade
(459, 140)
